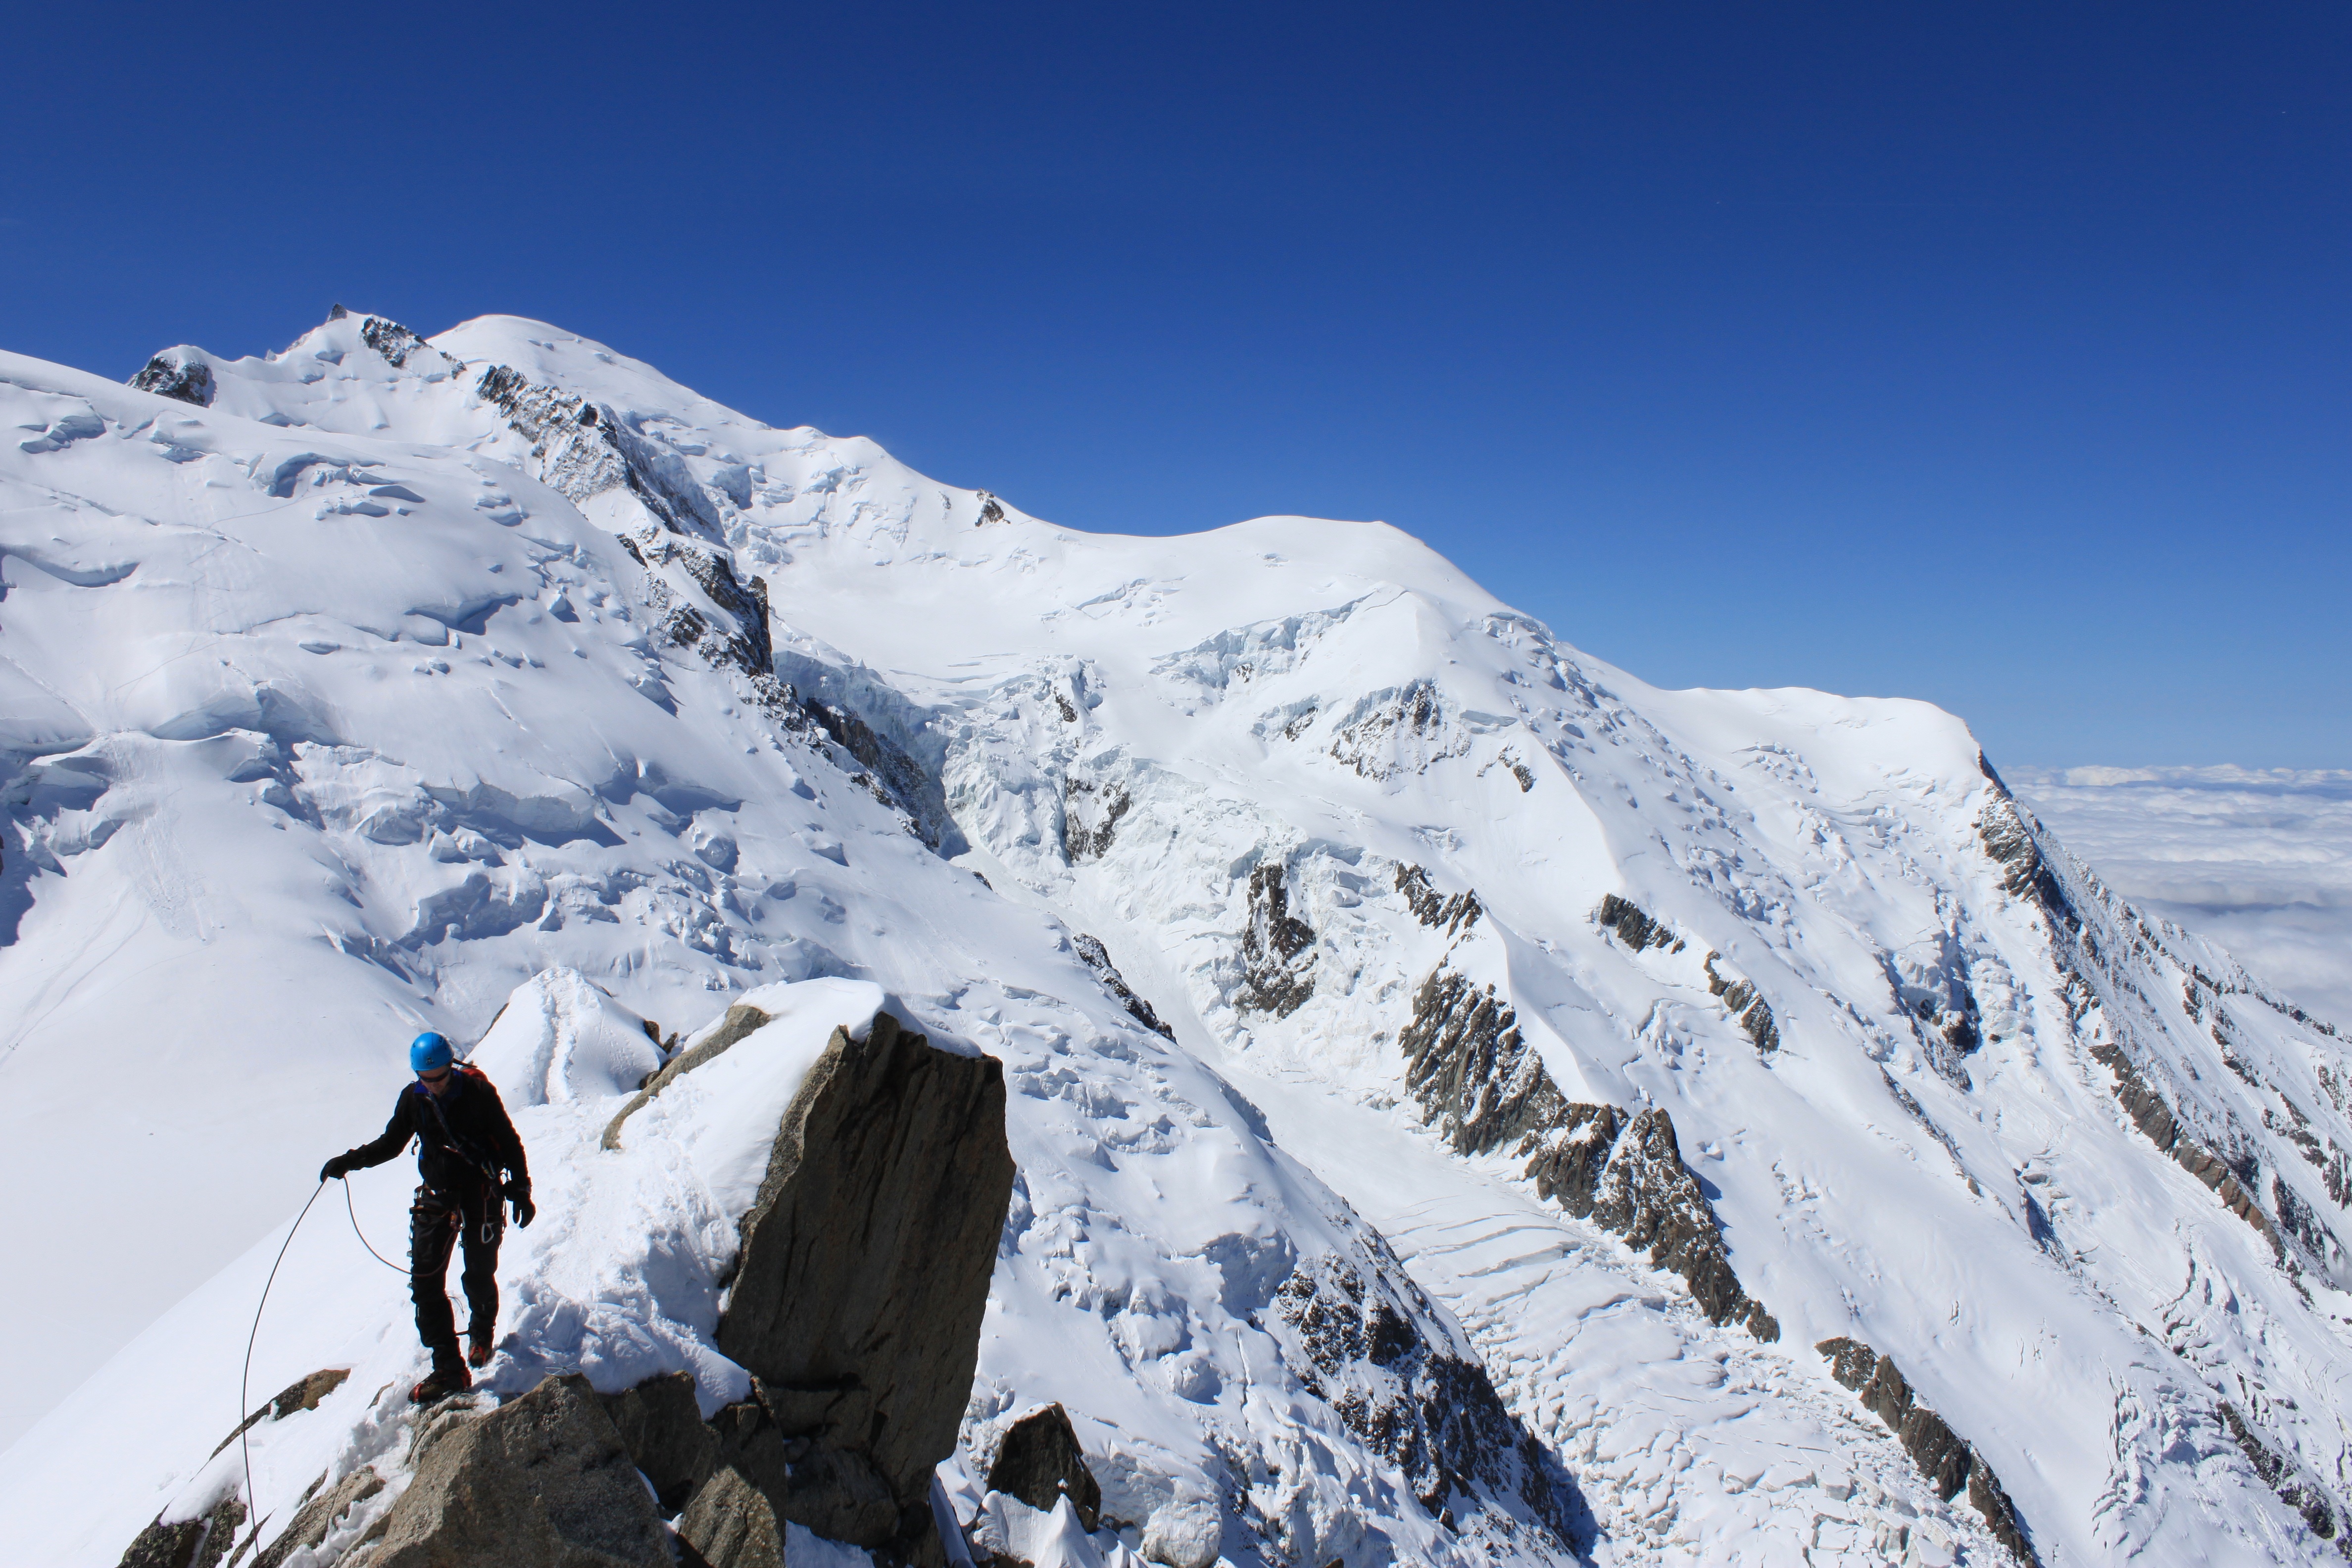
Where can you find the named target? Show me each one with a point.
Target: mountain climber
(468, 1157)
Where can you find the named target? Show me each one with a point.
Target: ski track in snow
(406, 679)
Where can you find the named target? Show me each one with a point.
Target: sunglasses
(435, 1079)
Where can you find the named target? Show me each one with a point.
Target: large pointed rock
(864, 1273)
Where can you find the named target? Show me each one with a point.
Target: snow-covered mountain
(1469, 1105)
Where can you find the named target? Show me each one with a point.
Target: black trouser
(435, 1221)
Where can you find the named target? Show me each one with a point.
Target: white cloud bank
(2258, 860)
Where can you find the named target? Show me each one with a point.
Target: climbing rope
(245, 1378)
(371, 1252)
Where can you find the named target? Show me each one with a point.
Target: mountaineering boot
(441, 1383)
(440, 1386)
(478, 1350)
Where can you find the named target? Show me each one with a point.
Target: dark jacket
(461, 1138)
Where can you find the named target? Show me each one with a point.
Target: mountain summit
(1467, 1105)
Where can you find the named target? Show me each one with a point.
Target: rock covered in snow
(182, 373)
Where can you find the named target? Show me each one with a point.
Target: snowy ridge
(354, 688)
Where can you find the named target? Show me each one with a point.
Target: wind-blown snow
(726, 1112)
(364, 697)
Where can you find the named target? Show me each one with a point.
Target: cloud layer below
(2258, 860)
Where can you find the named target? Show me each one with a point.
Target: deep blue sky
(2000, 356)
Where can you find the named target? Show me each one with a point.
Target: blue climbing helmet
(429, 1052)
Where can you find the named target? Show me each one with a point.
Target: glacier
(1455, 1086)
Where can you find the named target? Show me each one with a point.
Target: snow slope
(401, 673)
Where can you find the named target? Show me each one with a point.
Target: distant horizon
(2000, 361)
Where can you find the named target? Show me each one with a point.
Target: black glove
(338, 1166)
(519, 1194)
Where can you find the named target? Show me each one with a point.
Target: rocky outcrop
(299, 1395)
(730, 1524)
(2010, 842)
(325, 1507)
(1742, 998)
(1471, 1071)
(747, 645)
(1451, 915)
(1040, 1462)
(1434, 1415)
(1640, 930)
(1942, 1456)
(199, 1542)
(1633, 925)
(1625, 1172)
(660, 1423)
(1090, 814)
(1467, 1065)
(398, 345)
(1400, 730)
(582, 449)
(173, 374)
(858, 1293)
(890, 774)
(1277, 948)
(544, 1478)
(1097, 958)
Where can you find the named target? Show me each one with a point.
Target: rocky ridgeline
(582, 451)
(1947, 1461)
(2295, 1489)
(1434, 1414)
(1095, 957)
(1474, 1075)
(2153, 1117)
(856, 1306)
(2106, 956)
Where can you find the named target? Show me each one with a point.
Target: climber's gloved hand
(518, 1192)
(340, 1165)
